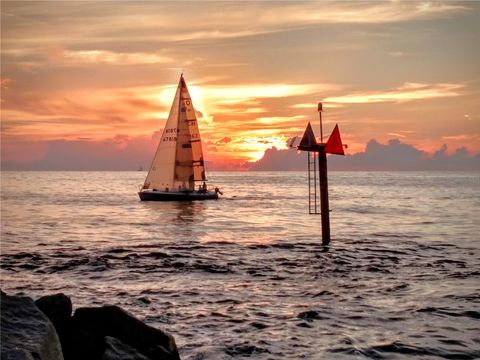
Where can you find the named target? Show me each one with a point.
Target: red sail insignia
(334, 143)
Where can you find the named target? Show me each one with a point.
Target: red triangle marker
(334, 144)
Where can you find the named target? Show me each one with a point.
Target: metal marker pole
(309, 185)
(324, 207)
(322, 169)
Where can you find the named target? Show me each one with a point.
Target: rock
(17, 354)
(106, 333)
(116, 350)
(84, 345)
(58, 308)
(26, 333)
(92, 325)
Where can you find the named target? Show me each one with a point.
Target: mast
(194, 141)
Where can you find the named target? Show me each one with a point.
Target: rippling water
(246, 275)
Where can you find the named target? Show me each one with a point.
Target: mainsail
(178, 161)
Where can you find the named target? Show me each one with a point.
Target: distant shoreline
(256, 171)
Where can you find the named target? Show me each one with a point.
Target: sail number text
(170, 134)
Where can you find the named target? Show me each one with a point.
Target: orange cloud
(406, 92)
(313, 106)
(114, 58)
(71, 115)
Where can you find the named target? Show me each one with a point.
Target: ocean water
(246, 276)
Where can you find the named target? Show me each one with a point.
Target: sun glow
(253, 148)
(232, 112)
(166, 94)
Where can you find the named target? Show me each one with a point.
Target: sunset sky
(98, 78)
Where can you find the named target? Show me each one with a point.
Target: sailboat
(178, 168)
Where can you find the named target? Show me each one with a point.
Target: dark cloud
(394, 155)
(119, 153)
(130, 153)
(275, 159)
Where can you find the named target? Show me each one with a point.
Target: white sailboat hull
(153, 195)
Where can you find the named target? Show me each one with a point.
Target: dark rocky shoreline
(45, 329)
